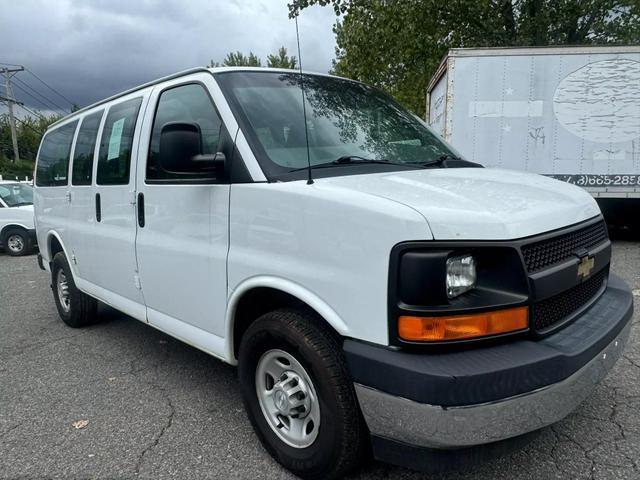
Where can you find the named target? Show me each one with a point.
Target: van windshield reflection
(343, 118)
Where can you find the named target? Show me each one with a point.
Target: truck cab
(374, 288)
(17, 231)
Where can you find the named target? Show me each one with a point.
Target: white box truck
(572, 113)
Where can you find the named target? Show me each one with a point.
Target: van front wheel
(75, 308)
(299, 397)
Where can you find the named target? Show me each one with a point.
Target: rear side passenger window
(114, 158)
(183, 104)
(85, 147)
(53, 160)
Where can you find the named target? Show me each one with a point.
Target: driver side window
(185, 104)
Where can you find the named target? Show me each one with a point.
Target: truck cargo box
(572, 113)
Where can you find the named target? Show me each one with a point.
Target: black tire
(23, 240)
(82, 309)
(342, 439)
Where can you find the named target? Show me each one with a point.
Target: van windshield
(345, 120)
(16, 194)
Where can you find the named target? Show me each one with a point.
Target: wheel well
(10, 227)
(258, 301)
(54, 247)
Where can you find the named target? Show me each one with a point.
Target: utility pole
(10, 100)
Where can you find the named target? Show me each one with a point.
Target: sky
(91, 49)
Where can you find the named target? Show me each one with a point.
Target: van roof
(178, 75)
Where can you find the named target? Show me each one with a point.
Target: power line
(50, 87)
(10, 64)
(28, 125)
(55, 107)
(37, 114)
(47, 99)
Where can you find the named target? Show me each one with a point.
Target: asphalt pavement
(122, 400)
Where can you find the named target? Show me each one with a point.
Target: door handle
(141, 209)
(98, 208)
(68, 195)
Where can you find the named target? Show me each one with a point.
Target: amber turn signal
(460, 327)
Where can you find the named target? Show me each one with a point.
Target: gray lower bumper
(434, 426)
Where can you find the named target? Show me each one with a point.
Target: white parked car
(373, 288)
(17, 232)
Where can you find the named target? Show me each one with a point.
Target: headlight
(461, 275)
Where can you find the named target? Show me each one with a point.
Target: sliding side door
(112, 272)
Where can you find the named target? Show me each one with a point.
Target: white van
(17, 232)
(391, 296)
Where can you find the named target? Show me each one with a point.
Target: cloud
(89, 50)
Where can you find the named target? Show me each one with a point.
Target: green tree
(239, 59)
(398, 45)
(29, 131)
(281, 60)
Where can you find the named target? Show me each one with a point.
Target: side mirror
(180, 151)
(216, 162)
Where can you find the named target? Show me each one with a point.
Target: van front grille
(548, 312)
(545, 253)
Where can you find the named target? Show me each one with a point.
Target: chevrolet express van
(17, 232)
(377, 292)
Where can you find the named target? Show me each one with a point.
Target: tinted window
(85, 147)
(53, 160)
(114, 159)
(184, 104)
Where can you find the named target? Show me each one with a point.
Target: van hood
(478, 203)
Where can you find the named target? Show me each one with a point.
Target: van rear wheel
(299, 396)
(75, 308)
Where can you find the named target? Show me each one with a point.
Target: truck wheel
(17, 243)
(299, 397)
(76, 309)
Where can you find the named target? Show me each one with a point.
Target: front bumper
(461, 399)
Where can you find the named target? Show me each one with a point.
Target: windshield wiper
(440, 160)
(22, 204)
(354, 160)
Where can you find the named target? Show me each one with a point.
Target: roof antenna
(304, 108)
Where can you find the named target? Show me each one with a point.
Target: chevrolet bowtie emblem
(585, 266)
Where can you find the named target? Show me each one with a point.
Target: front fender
(294, 289)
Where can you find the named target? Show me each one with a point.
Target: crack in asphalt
(172, 410)
(158, 437)
(632, 362)
(563, 437)
(10, 429)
